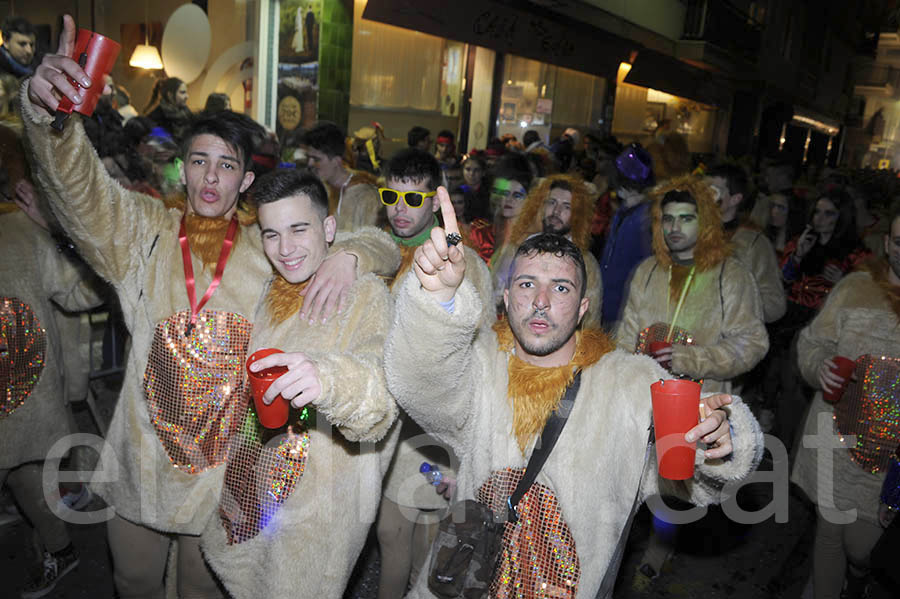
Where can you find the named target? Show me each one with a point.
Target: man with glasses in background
(410, 508)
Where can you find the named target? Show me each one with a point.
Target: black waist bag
(465, 552)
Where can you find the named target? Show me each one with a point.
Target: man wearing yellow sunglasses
(410, 509)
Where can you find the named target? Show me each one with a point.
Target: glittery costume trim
(262, 472)
(657, 332)
(23, 350)
(194, 385)
(870, 409)
(538, 558)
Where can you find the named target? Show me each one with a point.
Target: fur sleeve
(429, 358)
(764, 265)
(375, 251)
(354, 392)
(743, 341)
(69, 282)
(710, 476)
(819, 339)
(626, 335)
(363, 204)
(105, 221)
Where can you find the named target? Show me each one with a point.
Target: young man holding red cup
(490, 395)
(298, 501)
(190, 318)
(859, 322)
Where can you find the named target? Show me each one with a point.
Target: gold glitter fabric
(262, 472)
(870, 409)
(22, 360)
(538, 558)
(194, 385)
(658, 332)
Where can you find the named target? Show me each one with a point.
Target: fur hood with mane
(712, 246)
(529, 220)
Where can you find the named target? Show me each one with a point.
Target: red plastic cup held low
(274, 415)
(676, 410)
(844, 369)
(655, 346)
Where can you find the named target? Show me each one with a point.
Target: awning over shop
(670, 75)
(559, 41)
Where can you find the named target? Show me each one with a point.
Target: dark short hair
(677, 196)
(238, 131)
(17, 25)
(415, 135)
(414, 165)
(446, 133)
(530, 137)
(514, 166)
(560, 184)
(285, 183)
(557, 245)
(216, 102)
(325, 137)
(734, 176)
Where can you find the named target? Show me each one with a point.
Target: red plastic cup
(655, 346)
(96, 54)
(274, 415)
(844, 368)
(676, 410)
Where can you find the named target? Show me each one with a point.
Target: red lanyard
(189, 281)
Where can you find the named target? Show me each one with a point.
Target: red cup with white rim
(275, 414)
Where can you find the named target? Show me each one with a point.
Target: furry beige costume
(33, 272)
(720, 332)
(529, 222)
(305, 542)
(454, 382)
(356, 204)
(755, 251)
(860, 318)
(182, 399)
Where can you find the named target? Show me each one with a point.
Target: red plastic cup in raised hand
(96, 54)
(676, 410)
(275, 414)
(655, 346)
(844, 368)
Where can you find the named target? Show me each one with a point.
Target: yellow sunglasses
(413, 199)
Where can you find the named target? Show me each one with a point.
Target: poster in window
(508, 114)
(451, 78)
(298, 65)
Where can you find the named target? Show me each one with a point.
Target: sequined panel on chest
(658, 332)
(870, 409)
(23, 349)
(538, 558)
(194, 384)
(261, 474)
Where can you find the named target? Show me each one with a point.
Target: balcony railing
(718, 22)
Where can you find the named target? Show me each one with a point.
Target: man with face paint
(693, 293)
(859, 321)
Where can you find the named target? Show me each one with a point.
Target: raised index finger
(447, 211)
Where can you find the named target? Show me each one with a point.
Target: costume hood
(529, 220)
(712, 247)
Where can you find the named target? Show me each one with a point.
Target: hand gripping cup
(676, 407)
(654, 347)
(96, 55)
(844, 369)
(274, 415)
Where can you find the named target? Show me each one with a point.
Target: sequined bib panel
(538, 558)
(658, 332)
(194, 386)
(261, 474)
(870, 409)
(23, 349)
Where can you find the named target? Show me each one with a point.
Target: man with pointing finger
(489, 397)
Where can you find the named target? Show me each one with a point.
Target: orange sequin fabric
(538, 559)
(870, 409)
(658, 332)
(23, 349)
(261, 474)
(194, 386)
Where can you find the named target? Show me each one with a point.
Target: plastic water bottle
(431, 473)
